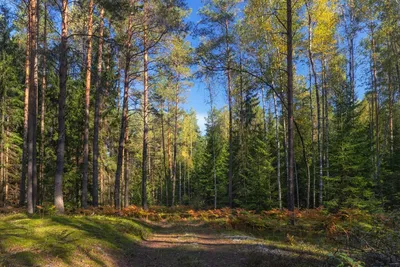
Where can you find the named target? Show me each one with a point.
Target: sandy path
(202, 246)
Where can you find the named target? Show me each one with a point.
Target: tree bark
(310, 56)
(230, 107)
(290, 107)
(32, 110)
(174, 165)
(169, 143)
(180, 183)
(278, 151)
(376, 105)
(22, 185)
(164, 152)
(124, 116)
(126, 172)
(6, 176)
(99, 91)
(43, 102)
(36, 81)
(145, 114)
(326, 132)
(3, 147)
(391, 100)
(58, 192)
(311, 111)
(213, 146)
(87, 107)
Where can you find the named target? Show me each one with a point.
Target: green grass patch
(67, 240)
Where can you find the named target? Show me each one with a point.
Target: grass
(67, 240)
(108, 237)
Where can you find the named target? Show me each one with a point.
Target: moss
(60, 239)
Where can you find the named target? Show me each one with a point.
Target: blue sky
(197, 97)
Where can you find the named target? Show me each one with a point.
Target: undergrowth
(351, 236)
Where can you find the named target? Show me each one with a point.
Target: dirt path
(193, 245)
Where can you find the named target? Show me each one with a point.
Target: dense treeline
(92, 95)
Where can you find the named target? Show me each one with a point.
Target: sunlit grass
(66, 240)
(105, 236)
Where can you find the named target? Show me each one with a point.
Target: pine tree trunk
(230, 107)
(188, 169)
(310, 56)
(36, 81)
(43, 103)
(352, 51)
(22, 185)
(169, 145)
(124, 117)
(180, 183)
(311, 112)
(326, 132)
(58, 192)
(265, 123)
(391, 97)
(87, 107)
(278, 151)
(290, 107)
(6, 176)
(3, 142)
(126, 173)
(320, 148)
(145, 114)
(297, 185)
(32, 111)
(285, 147)
(213, 146)
(99, 91)
(376, 110)
(164, 153)
(174, 165)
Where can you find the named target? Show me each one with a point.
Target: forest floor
(109, 241)
(180, 237)
(188, 244)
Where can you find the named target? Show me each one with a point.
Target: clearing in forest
(182, 236)
(116, 241)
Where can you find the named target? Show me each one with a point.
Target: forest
(100, 132)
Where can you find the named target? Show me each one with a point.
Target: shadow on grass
(114, 241)
(33, 241)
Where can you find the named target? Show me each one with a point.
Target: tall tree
(22, 185)
(289, 26)
(145, 109)
(124, 116)
(32, 107)
(99, 91)
(217, 54)
(43, 99)
(63, 61)
(87, 106)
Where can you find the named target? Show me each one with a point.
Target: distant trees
(217, 54)
(306, 124)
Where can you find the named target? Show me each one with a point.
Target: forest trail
(198, 245)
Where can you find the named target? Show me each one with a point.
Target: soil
(199, 245)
